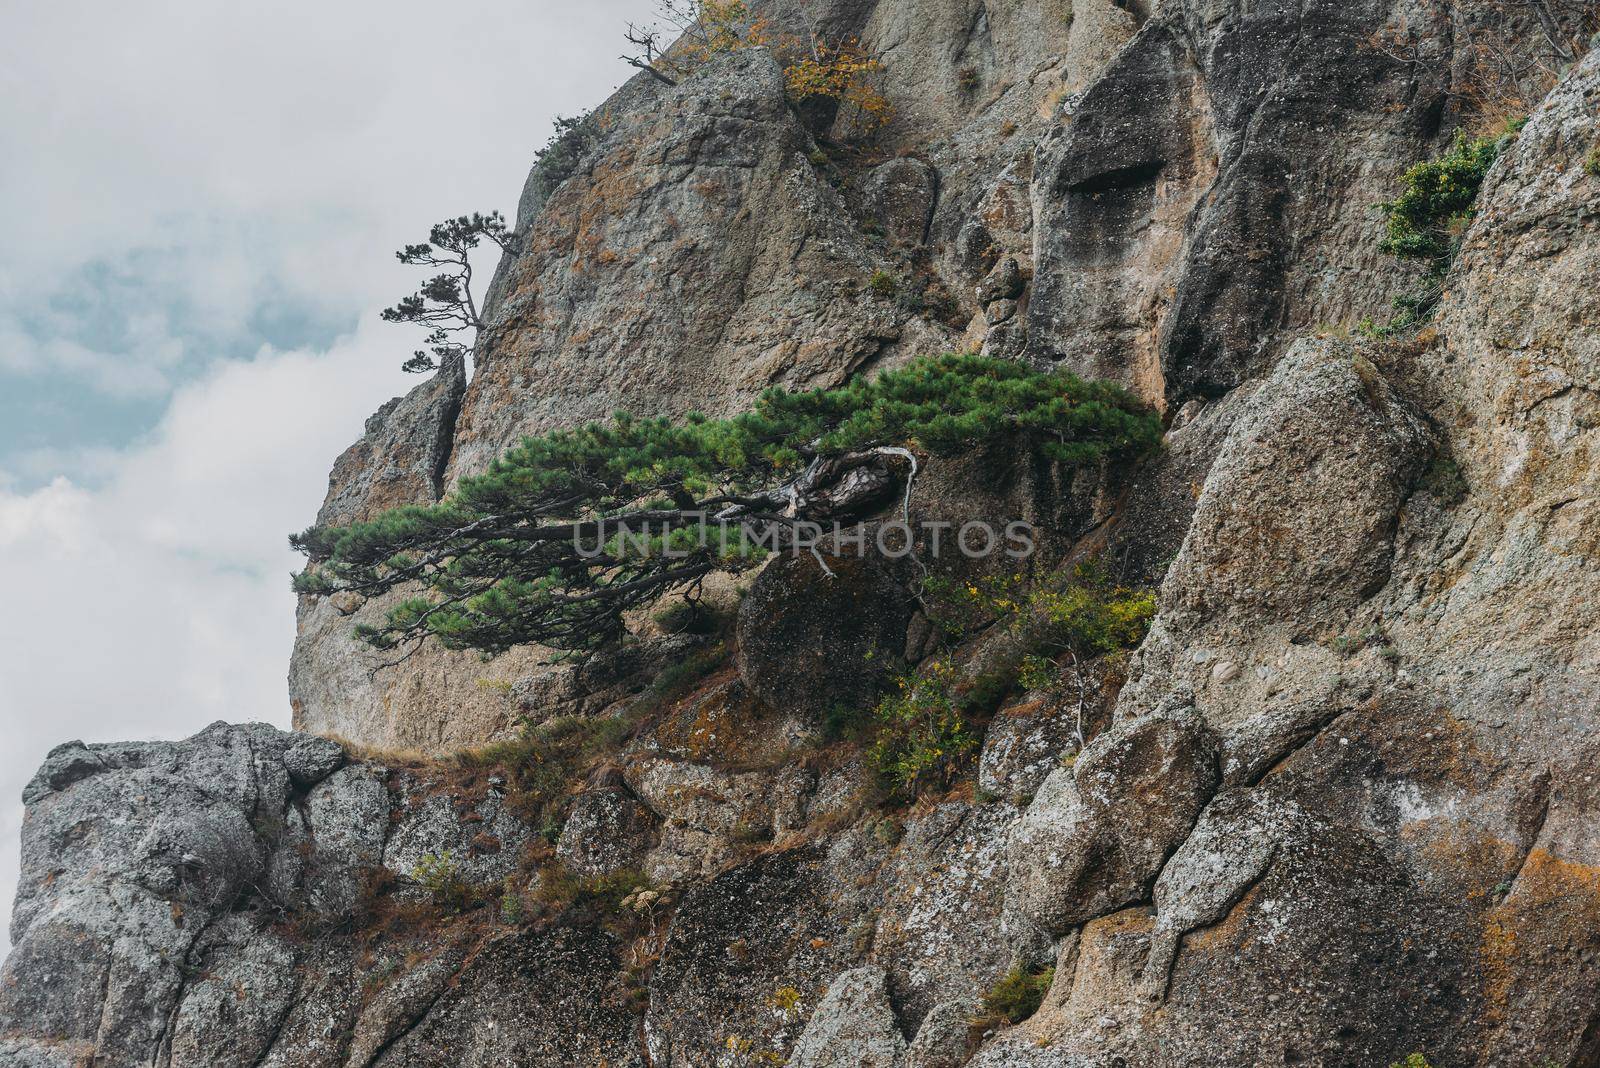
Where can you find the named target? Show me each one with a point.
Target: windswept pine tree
(571, 529)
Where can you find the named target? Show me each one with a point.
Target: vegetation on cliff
(838, 72)
(572, 528)
(445, 303)
(1427, 220)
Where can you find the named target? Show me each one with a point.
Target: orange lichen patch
(1025, 709)
(1227, 936)
(1496, 952)
(1549, 921)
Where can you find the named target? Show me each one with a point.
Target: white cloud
(159, 602)
(175, 172)
(220, 155)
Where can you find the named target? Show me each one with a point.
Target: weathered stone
(607, 831)
(401, 457)
(945, 1038)
(939, 928)
(698, 259)
(853, 1026)
(899, 196)
(1023, 744)
(1097, 834)
(810, 640)
(1000, 311)
(311, 760)
(1004, 282)
(705, 811)
(480, 838)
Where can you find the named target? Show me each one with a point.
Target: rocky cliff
(1338, 807)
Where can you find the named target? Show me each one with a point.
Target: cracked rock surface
(1341, 809)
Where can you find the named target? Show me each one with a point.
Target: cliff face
(1343, 808)
(1167, 200)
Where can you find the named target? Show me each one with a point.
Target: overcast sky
(200, 204)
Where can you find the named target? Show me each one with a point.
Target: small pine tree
(445, 303)
(1427, 220)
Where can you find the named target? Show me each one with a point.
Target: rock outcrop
(1339, 806)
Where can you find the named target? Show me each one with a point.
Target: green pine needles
(1428, 219)
(571, 529)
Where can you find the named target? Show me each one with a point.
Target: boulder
(607, 831)
(853, 1026)
(815, 635)
(898, 196)
(1097, 834)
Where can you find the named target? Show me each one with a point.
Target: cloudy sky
(200, 203)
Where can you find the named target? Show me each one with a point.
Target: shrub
(547, 760)
(1081, 611)
(922, 736)
(814, 67)
(1445, 481)
(1017, 995)
(843, 73)
(1081, 616)
(1036, 673)
(1416, 1060)
(572, 140)
(513, 909)
(1091, 616)
(1427, 220)
(441, 877)
(926, 295)
(1591, 165)
(693, 617)
(882, 284)
(560, 889)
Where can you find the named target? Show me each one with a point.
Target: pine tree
(445, 303)
(571, 529)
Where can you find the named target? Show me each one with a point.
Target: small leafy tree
(445, 303)
(573, 528)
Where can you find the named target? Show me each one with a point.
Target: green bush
(883, 284)
(1436, 197)
(1591, 165)
(572, 140)
(683, 616)
(1018, 994)
(922, 736)
(1427, 220)
(925, 729)
(1082, 610)
(1416, 1060)
(440, 876)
